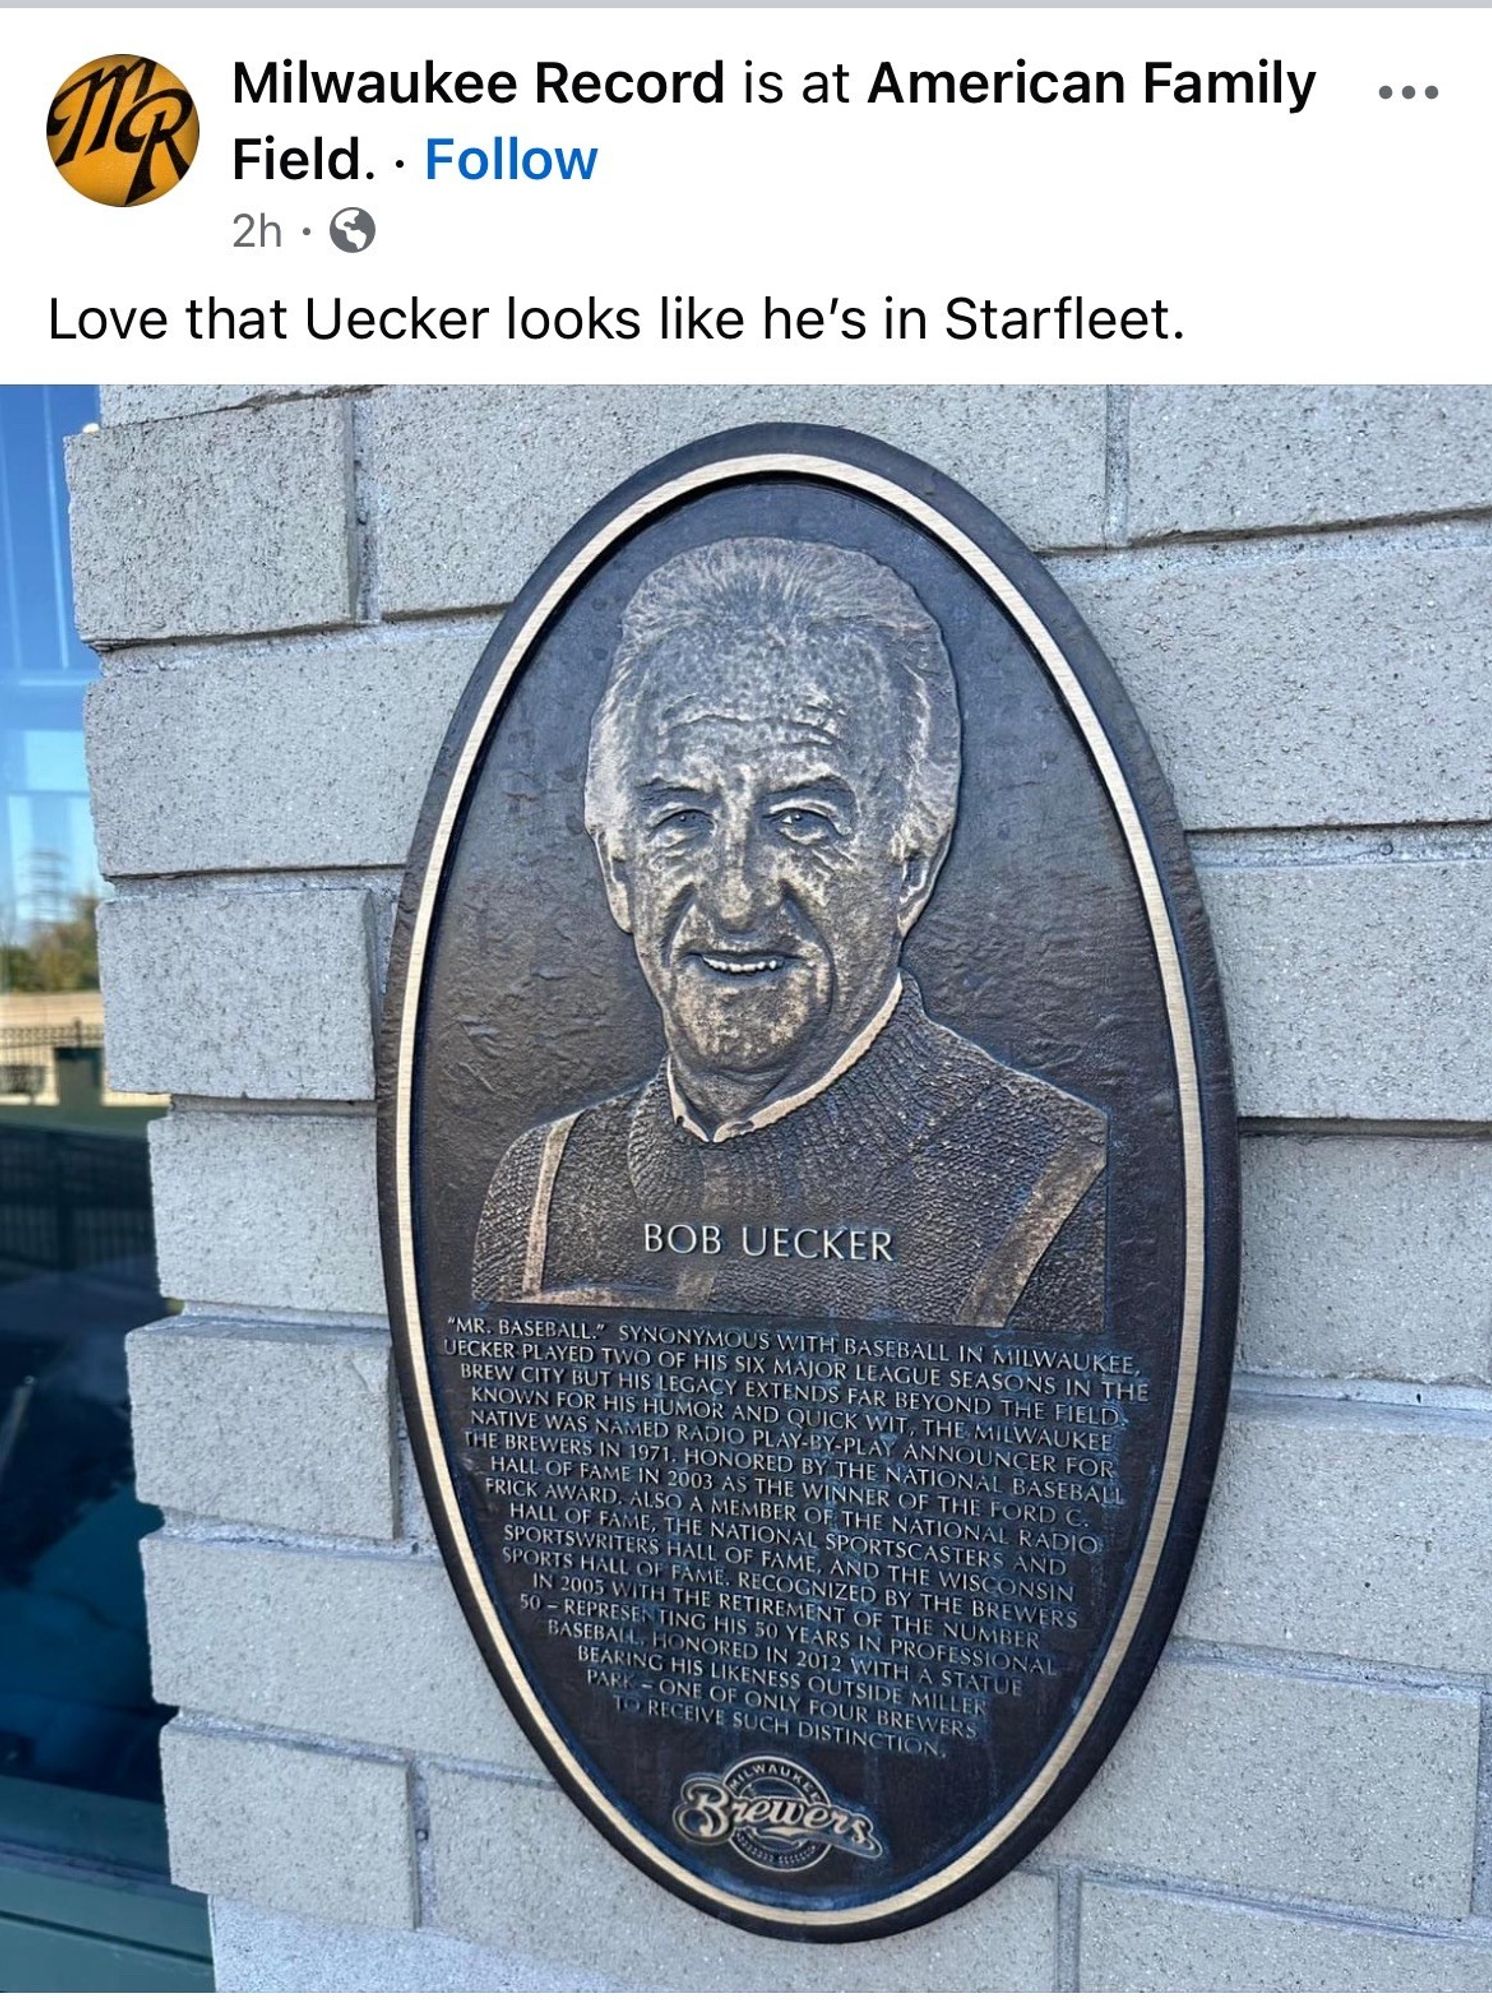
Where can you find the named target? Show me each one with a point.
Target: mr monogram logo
(122, 130)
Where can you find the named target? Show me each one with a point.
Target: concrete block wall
(1296, 586)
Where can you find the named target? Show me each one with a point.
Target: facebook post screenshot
(745, 999)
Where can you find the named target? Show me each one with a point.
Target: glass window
(79, 1771)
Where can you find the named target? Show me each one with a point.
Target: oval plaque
(808, 1182)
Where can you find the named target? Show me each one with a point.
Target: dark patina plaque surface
(808, 1182)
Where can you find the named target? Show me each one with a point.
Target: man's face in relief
(759, 866)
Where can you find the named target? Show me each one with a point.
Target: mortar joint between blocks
(1481, 1859)
(424, 1861)
(361, 508)
(1068, 1954)
(1116, 467)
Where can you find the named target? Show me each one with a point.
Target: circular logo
(122, 130)
(772, 1813)
(352, 229)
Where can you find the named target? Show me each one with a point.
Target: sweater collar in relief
(779, 1107)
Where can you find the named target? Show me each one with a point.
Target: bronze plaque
(809, 1182)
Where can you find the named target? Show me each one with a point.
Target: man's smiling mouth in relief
(735, 964)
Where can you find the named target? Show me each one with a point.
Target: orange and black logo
(122, 130)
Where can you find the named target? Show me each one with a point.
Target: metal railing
(70, 1200)
(16, 1043)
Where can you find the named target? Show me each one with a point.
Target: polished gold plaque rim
(840, 473)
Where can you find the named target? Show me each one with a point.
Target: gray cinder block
(328, 1835)
(267, 1209)
(1392, 1514)
(239, 993)
(141, 402)
(625, 1932)
(1367, 1255)
(368, 1648)
(267, 1951)
(1315, 687)
(1143, 1941)
(1231, 459)
(285, 1427)
(1360, 990)
(474, 485)
(1257, 1780)
(232, 521)
(271, 756)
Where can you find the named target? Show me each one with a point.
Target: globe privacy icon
(352, 229)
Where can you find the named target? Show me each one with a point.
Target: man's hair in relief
(792, 597)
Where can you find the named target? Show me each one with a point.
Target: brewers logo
(122, 130)
(774, 1813)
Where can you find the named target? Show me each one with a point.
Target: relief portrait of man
(772, 787)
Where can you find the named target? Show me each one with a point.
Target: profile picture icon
(122, 130)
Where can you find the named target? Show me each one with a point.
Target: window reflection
(78, 1767)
